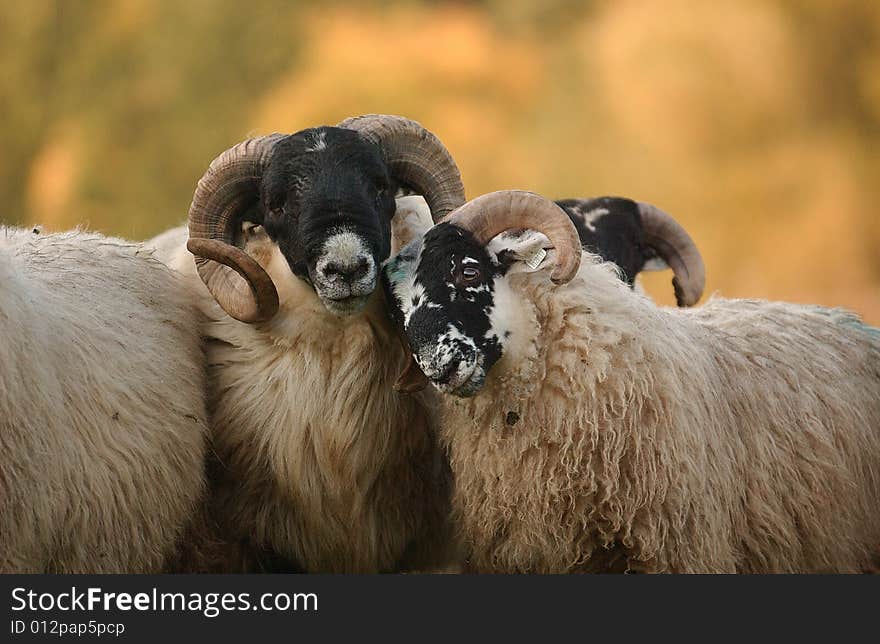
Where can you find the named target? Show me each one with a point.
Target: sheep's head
(448, 288)
(325, 197)
(638, 237)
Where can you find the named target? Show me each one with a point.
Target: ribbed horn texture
(416, 157)
(678, 250)
(231, 184)
(492, 214)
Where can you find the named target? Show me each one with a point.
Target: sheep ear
(253, 232)
(528, 246)
(411, 219)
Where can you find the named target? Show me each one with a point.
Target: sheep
(216, 550)
(320, 465)
(102, 406)
(591, 430)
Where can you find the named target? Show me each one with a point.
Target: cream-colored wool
(741, 436)
(102, 410)
(320, 460)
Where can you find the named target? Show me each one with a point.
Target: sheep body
(319, 459)
(743, 436)
(102, 420)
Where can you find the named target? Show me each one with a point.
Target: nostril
(332, 270)
(360, 270)
(444, 373)
(347, 272)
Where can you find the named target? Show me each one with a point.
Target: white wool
(741, 436)
(102, 411)
(321, 460)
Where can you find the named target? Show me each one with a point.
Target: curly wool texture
(319, 459)
(102, 409)
(742, 436)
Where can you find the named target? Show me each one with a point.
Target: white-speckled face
(450, 296)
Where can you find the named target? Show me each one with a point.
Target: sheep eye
(470, 274)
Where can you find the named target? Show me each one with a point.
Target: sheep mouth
(460, 379)
(345, 305)
(344, 299)
(468, 388)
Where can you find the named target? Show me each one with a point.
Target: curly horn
(678, 250)
(416, 158)
(493, 213)
(239, 284)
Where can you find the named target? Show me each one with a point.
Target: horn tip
(685, 297)
(563, 274)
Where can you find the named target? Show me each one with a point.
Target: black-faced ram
(319, 461)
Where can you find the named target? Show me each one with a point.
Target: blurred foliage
(755, 122)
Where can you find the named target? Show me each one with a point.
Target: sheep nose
(443, 371)
(348, 272)
(452, 370)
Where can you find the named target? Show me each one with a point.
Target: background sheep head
(325, 196)
(447, 288)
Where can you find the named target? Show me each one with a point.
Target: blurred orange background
(756, 123)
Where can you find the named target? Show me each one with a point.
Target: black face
(611, 227)
(443, 290)
(327, 199)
